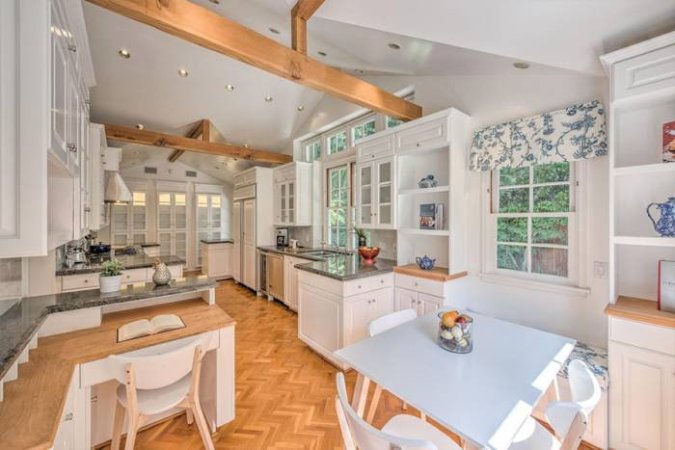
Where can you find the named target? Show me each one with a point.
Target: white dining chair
(380, 325)
(404, 432)
(156, 383)
(569, 419)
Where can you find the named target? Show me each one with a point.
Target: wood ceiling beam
(300, 14)
(203, 129)
(203, 27)
(145, 137)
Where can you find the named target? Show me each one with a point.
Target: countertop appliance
(282, 237)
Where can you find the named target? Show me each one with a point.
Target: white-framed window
(337, 142)
(363, 129)
(391, 122)
(172, 223)
(533, 223)
(313, 150)
(339, 205)
(128, 225)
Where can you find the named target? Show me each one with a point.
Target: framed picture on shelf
(669, 141)
(666, 292)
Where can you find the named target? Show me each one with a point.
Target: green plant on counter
(360, 232)
(112, 268)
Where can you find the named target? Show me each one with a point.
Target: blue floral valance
(574, 133)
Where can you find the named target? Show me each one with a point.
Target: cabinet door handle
(68, 417)
(416, 284)
(71, 147)
(418, 144)
(86, 281)
(72, 48)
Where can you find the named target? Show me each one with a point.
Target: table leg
(360, 394)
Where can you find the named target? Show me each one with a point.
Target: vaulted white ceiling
(437, 37)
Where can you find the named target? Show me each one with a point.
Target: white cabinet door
(291, 202)
(428, 303)
(405, 299)
(642, 398)
(357, 316)
(60, 74)
(237, 247)
(385, 194)
(249, 252)
(383, 303)
(365, 208)
(291, 282)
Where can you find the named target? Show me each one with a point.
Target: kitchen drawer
(176, 271)
(362, 285)
(425, 136)
(376, 148)
(435, 288)
(79, 282)
(136, 276)
(638, 334)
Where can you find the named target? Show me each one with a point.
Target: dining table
(483, 396)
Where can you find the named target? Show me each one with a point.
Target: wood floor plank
(284, 391)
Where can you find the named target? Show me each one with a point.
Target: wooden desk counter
(641, 311)
(32, 407)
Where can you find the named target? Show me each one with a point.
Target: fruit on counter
(449, 319)
(462, 319)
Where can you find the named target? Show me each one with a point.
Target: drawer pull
(86, 281)
(359, 286)
(381, 281)
(68, 417)
(416, 284)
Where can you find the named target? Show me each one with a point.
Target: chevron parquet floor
(285, 392)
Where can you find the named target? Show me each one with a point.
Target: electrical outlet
(599, 269)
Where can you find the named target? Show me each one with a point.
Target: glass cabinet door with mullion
(365, 211)
(385, 214)
(291, 202)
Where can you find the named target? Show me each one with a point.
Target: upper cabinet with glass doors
(376, 184)
(293, 194)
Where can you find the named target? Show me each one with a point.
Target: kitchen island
(48, 401)
(216, 257)
(337, 299)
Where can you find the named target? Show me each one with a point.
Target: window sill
(554, 288)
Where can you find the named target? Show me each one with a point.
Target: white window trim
(345, 158)
(577, 282)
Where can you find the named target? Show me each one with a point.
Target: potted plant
(111, 276)
(361, 233)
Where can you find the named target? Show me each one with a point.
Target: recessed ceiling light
(322, 53)
(269, 99)
(301, 108)
(229, 87)
(140, 126)
(521, 65)
(394, 46)
(124, 53)
(183, 73)
(274, 30)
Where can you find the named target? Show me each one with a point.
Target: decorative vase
(362, 241)
(665, 226)
(109, 284)
(369, 254)
(427, 182)
(162, 275)
(425, 263)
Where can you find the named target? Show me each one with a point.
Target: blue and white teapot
(425, 263)
(665, 226)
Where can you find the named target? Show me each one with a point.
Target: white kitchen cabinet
(333, 314)
(425, 135)
(419, 301)
(293, 194)
(376, 192)
(96, 150)
(291, 281)
(72, 433)
(642, 390)
(249, 261)
(216, 260)
(236, 246)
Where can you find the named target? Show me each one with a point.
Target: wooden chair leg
(131, 432)
(373, 403)
(118, 425)
(202, 425)
(190, 417)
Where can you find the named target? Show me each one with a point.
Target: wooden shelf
(418, 191)
(435, 274)
(640, 310)
(424, 232)
(645, 241)
(646, 168)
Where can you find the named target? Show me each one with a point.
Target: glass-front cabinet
(285, 198)
(293, 194)
(375, 194)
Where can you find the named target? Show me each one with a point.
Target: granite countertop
(22, 320)
(295, 252)
(150, 244)
(217, 241)
(137, 261)
(347, 267)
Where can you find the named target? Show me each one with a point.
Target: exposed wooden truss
(300, 14)
(146, 137)
(202, 129)
(196, 24)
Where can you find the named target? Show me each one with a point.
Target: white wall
(489, 100)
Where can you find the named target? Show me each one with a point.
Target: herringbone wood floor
(285, 392)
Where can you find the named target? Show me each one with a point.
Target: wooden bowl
(369, 254)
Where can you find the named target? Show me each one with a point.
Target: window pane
(549, 230)
(363, 130)
(514, 176)
(337, 142)
(552, 198)
(180, 199)
(512, 257)
(510, 229)
(514, 200)
(549, 261)
(138, 198)
(202, 201)
(391, 122)
(164, 199)
(551, 173)
(215, 201)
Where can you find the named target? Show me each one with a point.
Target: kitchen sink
(321, 253)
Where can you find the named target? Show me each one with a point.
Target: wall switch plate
(599, 269)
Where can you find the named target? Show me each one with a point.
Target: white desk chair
(380, 325)
(157, 383)
(568, 419)
(404, 432)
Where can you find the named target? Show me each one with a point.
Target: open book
(145, 327)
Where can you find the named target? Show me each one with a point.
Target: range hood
(116, 190)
